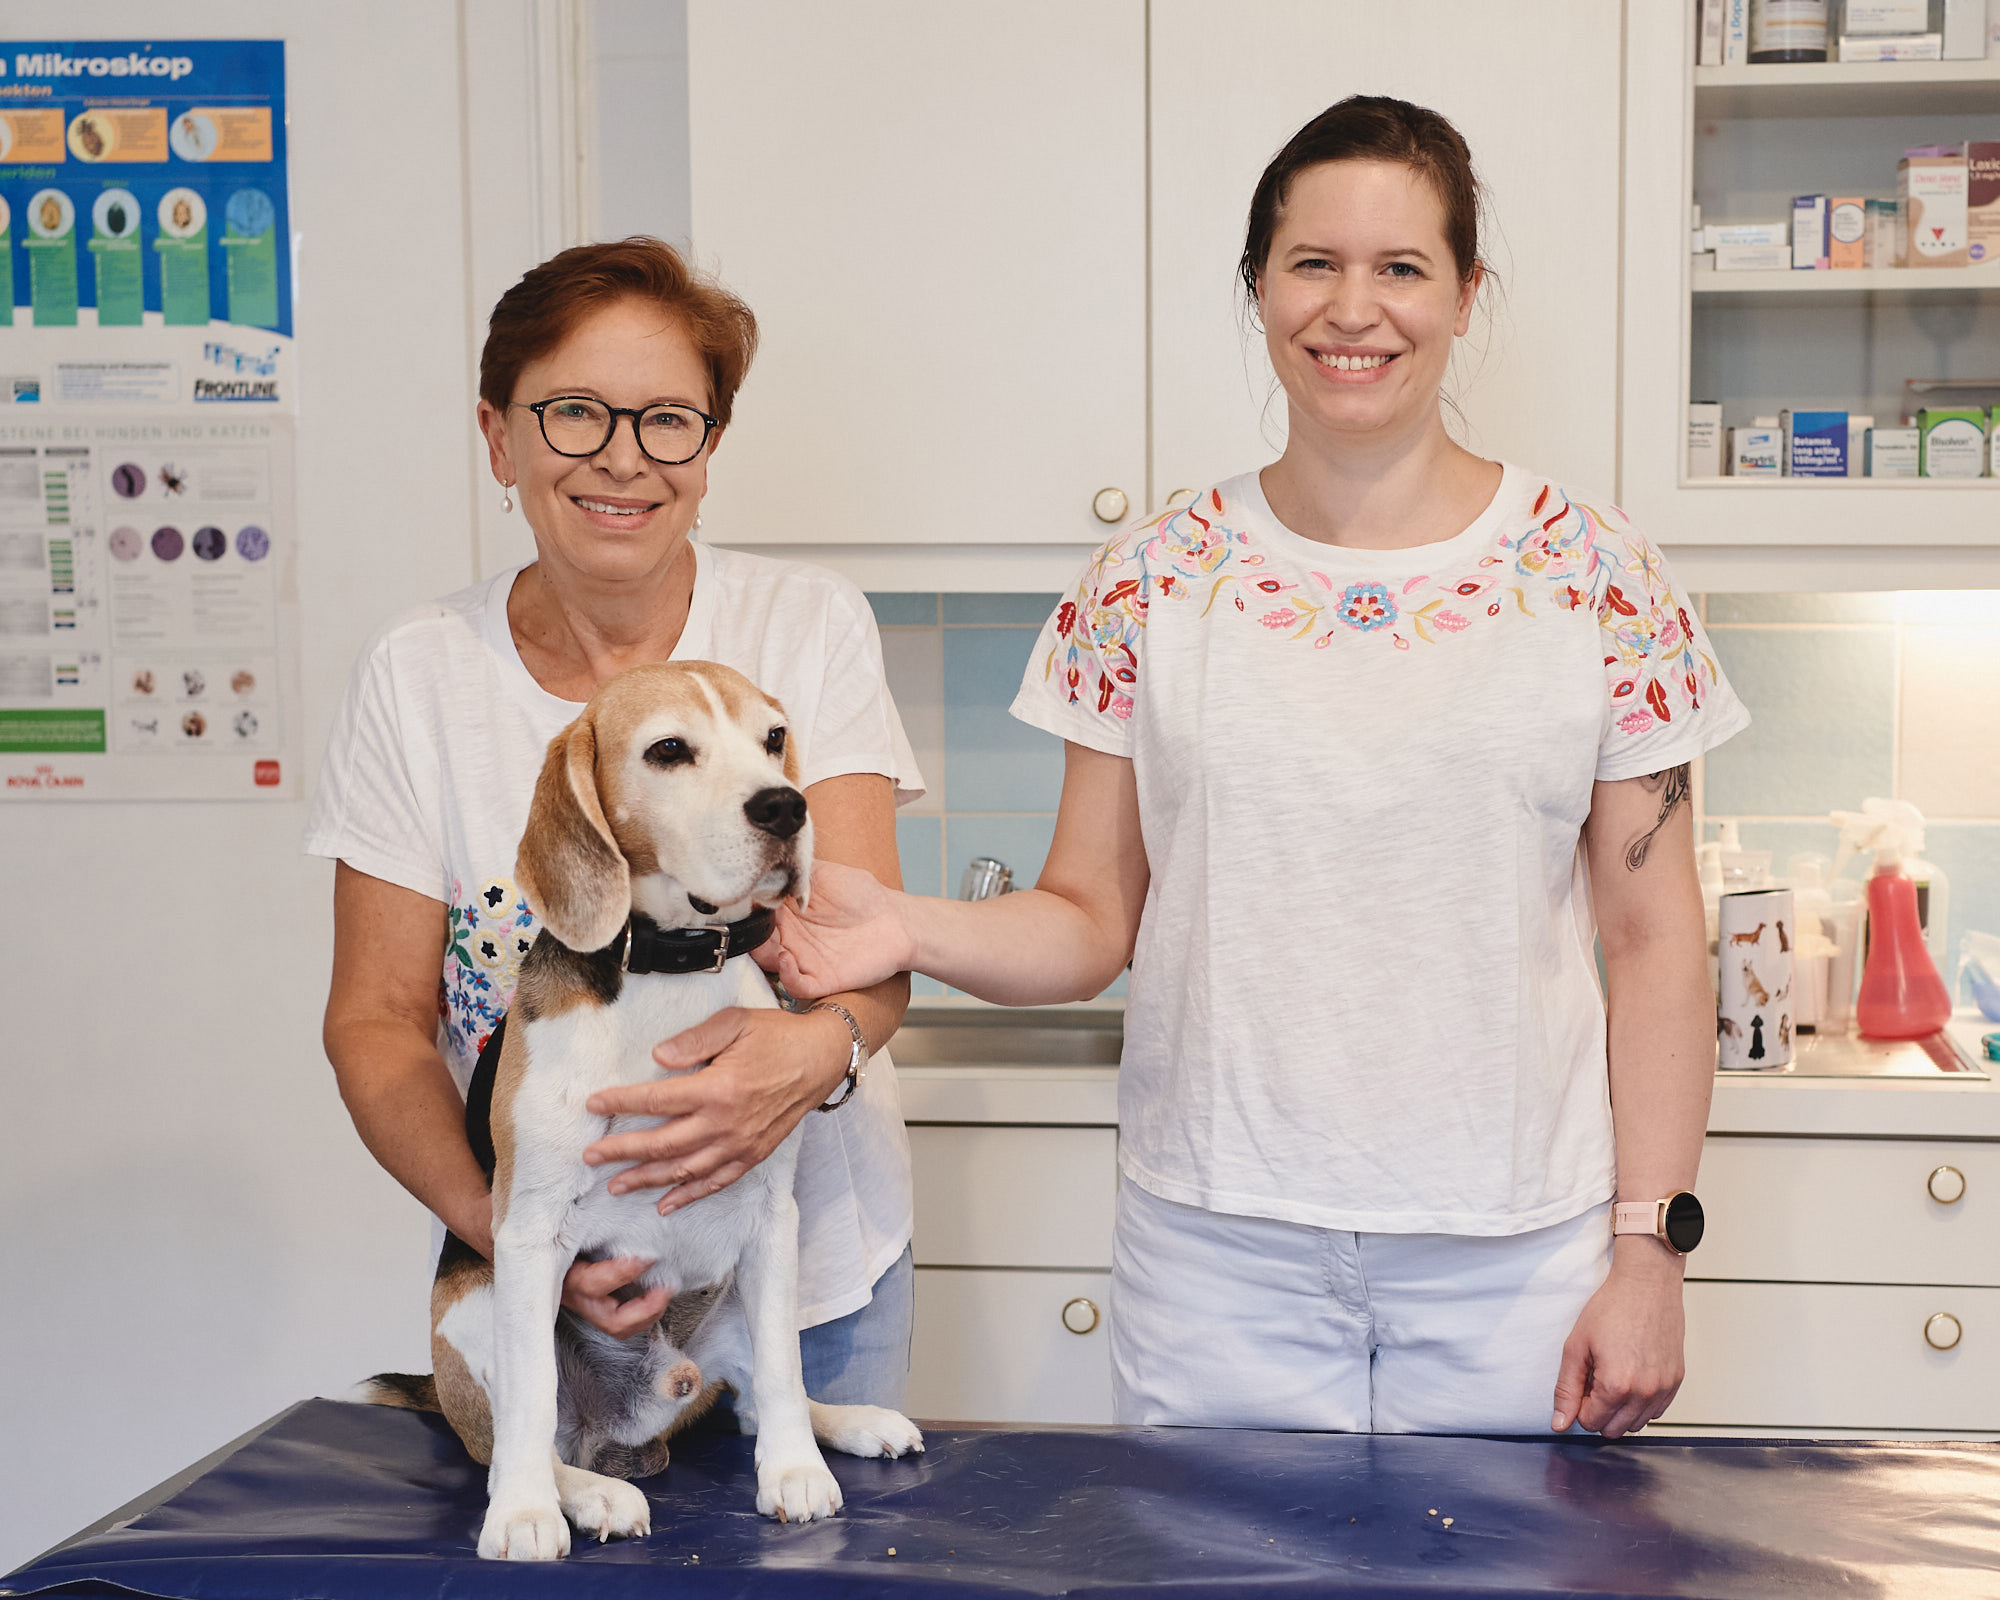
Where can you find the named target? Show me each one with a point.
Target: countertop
(1744, 1103)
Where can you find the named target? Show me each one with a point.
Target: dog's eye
(774, 741)
(668, 753)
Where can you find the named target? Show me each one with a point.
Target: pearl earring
(697, 519)
(506, 497)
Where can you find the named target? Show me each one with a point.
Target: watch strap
(857, 1052)
(1640, 1216)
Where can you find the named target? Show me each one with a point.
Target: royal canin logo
(45, 777)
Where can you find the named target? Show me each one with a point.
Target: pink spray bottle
(1902, 996)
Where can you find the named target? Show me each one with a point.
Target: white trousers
(1243, 1322)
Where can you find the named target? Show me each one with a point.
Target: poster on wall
(148, 638)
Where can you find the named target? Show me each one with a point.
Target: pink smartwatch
(1676, 1221)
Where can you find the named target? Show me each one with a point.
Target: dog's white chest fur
(572, 1056)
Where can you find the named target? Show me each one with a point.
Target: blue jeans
(863, 1358)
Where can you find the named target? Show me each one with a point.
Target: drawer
(1014, 1197)
(1848, 1211)
(994, 1347)
(1823, 1355)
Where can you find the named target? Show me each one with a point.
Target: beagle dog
(667, 818)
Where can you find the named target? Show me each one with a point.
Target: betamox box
(1815, 443)
(1931, 190)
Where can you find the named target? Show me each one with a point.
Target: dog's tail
(413, 1391)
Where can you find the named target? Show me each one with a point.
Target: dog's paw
(607, 1507)
(797, 1488)
(866, 1431)
(523, 1532)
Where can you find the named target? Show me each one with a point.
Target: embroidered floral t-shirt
(1364, 994)
(430, 768)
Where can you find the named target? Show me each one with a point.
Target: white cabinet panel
(1838, 1356)
(1849, 1211)
(993, 1347)
(1533, 86)
(938, 215)
(1014, 1197)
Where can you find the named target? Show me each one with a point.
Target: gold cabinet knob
(1947, 1186)
(1080, 1315)
(1943, 1332)
(1110, 505)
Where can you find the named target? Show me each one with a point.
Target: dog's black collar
(646, 947)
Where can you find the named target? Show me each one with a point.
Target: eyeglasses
(577, 425)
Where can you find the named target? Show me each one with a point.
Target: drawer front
(1848, 1211)
(994, 1347)
(1014, 1197)
(1821, 1355)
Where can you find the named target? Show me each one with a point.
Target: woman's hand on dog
(849, 935)
(590, 1289)
(762, 1071)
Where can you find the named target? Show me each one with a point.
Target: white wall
(191, 1236)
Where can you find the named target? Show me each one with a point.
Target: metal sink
(949, 1037)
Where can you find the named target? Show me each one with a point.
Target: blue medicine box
(1815, 443)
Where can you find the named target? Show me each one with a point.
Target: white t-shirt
(428, 775)
(1364, 995)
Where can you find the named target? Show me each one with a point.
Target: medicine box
(1951, 442)
(1809, 232)
(1704, 457)
(1885, 16)
(1890, 452)
(1752, 257)
(1982, 198)
(1885, 235)
(1847, 233)
(1911, 47)
(1931, 190)
(1755, 453)
(1858, 425)
(1722, 233)
(1815, 443)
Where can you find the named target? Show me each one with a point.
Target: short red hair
(542, 310)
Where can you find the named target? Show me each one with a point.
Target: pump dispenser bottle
(1902, 996)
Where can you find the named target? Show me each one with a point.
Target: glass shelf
(1849, 88)
(1982, 279)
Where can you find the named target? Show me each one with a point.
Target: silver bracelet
(857, 1052)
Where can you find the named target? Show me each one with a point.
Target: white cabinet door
(1850, 1211)
(1014, 1197)
(1818, 1355)
(995, 1347)
(938, 215)
(1533, 85)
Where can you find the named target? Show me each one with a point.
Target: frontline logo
(236, 388)
(54, 64)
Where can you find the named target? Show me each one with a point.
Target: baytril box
(1815, 443)
(1951, 442)
(1891, 452)
(1755, 453)
(1982, 198)
(1931, 189)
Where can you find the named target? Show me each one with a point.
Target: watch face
(1684, 1222)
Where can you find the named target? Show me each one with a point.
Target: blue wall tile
(1822, 703)
(1731, 608)
(992, 762)
(1015, 610)
(904, 610)
(920, 849)
(1969, 852)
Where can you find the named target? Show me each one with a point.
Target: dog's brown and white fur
(676, 784)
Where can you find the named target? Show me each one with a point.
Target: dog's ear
(570, 869)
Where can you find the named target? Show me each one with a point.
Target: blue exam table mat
(337, 1500)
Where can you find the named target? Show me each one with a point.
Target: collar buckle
(721, 950)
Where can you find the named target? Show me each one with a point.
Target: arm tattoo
(1672, 788)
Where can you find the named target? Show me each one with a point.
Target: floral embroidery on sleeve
(1655, 661)
(487, 934)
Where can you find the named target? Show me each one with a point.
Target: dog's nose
(778, 812)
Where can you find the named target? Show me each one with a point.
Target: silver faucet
(984, 878)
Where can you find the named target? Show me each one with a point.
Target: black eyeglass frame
(540, 408)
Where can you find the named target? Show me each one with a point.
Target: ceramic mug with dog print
(1753, 997)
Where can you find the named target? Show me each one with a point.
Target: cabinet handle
(1947, 1186)
(1080, 1315)
(1943, 1332)
(1110, 505)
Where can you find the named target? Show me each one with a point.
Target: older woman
(604, 387)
